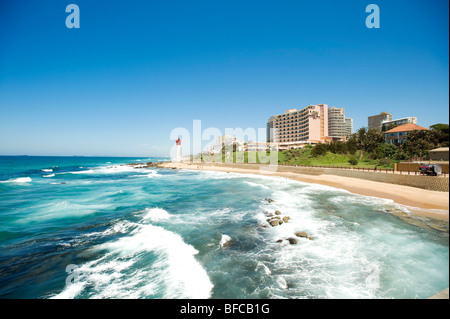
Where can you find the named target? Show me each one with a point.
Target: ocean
(81, 227)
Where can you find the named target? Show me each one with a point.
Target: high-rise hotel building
(308, 124)
(339, 126)
(336, 122)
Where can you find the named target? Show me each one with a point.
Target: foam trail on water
(256, 185)
(18, 180)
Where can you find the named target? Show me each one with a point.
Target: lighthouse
(179, 150)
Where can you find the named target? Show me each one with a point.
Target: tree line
(372, 143)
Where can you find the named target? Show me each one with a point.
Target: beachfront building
(226, 141)
(297, 144)
(398, 134)
(293, 127)
(376, 121)
(387, 125)
(258, 146)
(339, 126)
(348, 126)
(439, 154)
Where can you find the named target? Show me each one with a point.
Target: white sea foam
(50, 175)
(281, 282)
(90, 171)
(146, 173)
(47, 170)
(152, 174)
(105, 170)
(156, 214)
(336, 264)
(257, 185)
(224, 240)
(175, 273)
(119, 227)
(262, 266)
(115, 169)
(18, 180)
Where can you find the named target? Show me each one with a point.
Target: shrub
(384, 162)
(319, 150)
(353, 160)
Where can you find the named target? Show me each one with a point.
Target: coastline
(424, 203)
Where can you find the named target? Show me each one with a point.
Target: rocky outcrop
(277, 219)
(274, 222)
(291, 241)
(294, 241)
(144, 165)
(303, 234)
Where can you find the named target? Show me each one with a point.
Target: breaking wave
(150, 262)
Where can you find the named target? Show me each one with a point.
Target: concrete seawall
(433, 183)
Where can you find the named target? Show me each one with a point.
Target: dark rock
(274, 222)
(286, 218)
(277, 212)
(292, 241)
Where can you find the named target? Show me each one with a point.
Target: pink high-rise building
(309, 124)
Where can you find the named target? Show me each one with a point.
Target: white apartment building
(348, 126)
(337, 127)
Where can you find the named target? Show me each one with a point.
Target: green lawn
(303, 157)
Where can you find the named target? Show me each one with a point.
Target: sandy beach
(432, 204)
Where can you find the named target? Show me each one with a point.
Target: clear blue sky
(137, 69)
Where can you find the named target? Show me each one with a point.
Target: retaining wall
(414, 167)
(434, 183)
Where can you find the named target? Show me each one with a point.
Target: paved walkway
(441, 295)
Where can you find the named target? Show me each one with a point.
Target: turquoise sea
(79, 227)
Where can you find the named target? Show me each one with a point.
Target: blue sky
(135, 70)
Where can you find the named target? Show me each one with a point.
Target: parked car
(430, 169)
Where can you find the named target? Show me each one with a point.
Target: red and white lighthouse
(179, 150)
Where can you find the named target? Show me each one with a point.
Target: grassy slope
(305, 158)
